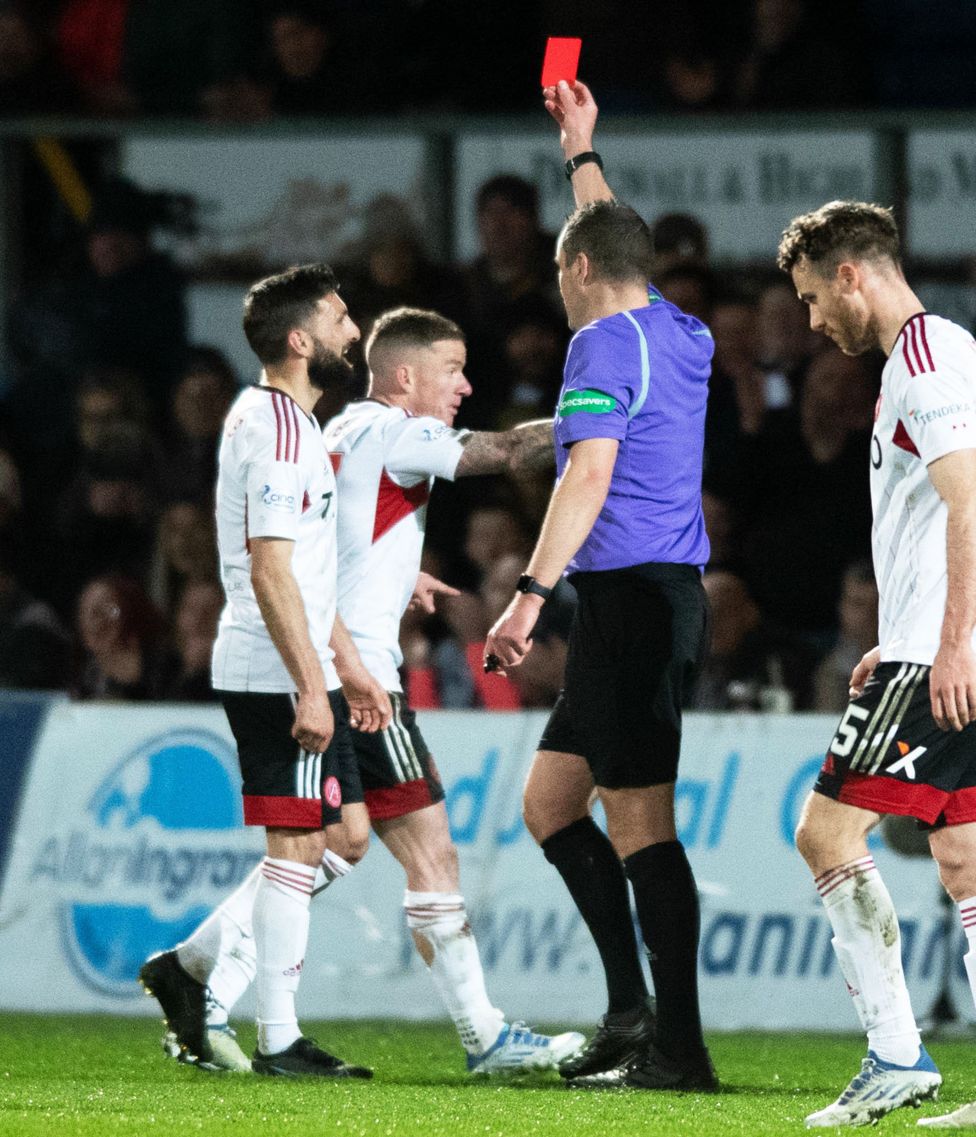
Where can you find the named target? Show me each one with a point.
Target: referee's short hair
(405, 328)
(615, 239)
(277, 304)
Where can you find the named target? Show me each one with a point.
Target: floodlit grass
(101, 1077)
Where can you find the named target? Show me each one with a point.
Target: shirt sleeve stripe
(645, 368)
(298, 432)
(277, 410)
(925, 343)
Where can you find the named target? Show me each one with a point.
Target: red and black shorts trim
(284, 785)
(397, 771)
(889, 756)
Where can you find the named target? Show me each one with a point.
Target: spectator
(121, 636)
(389, 268)
(515, 266)
(106, 516)
(34, 648)
(494, 531)
(306, 67)
(91, 43)
(186, 551)
(188, 58)
(806, 505)
(31, 79)
(123, 309)
(799, 58)
(534, 350)
(200, 403)
(736, 389)
(690, 287)
(678, 239)
(785, 343)
(751, 665)
(194, 632)
(857, 634)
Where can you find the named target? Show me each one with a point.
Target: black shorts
(396, 768)
(889, 756)
(284, 785)
(635, 648)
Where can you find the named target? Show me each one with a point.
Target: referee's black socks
(667, 907)
(592, 871)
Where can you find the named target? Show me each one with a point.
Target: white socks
(868, 946)
(220, 953)
(281, 902)
(440, 919)
(967, 913)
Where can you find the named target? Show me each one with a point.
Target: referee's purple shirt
(641, 377)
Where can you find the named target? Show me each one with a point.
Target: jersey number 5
(847, 732)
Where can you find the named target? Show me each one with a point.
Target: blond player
(386, 451)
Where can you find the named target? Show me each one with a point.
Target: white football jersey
(926, 409)
(385, 461)
(274, 480)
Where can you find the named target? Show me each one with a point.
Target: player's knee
(435, 870)
(957, 872)
(350, 841)
(808, 842)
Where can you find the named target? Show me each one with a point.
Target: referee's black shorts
(637, 641)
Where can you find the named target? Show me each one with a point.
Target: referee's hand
(510, 640)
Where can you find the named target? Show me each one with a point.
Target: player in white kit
(907, 741)
(278, 656)
(386, 451)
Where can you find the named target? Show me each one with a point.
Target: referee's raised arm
(575, 109)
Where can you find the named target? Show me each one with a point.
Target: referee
(625, 522)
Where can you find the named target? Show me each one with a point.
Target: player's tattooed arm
(526, 447)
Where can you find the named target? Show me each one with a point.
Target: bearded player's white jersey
(385, 462)
(927, 409)
(274, 480)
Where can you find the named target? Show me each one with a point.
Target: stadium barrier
(123, 828)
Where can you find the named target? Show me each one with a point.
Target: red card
(561, 60)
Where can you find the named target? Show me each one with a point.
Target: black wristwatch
(580, 160)
(528, 583)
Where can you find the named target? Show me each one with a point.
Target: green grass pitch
(95, 1076)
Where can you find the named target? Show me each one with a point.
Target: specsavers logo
(592, 402)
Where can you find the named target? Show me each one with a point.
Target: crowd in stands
(255, 60)
(110, 418)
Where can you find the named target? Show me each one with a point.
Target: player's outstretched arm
(575, 109)
(369, 703)
(426, 591)
(283, 612)
(528, 446)
(952, 681)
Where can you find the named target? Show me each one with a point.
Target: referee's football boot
(519, 1050)
(619, 1038)
(652, 1070)
(226, 1054)
(184, 1002)
(303, 1059)
(877, 1089)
